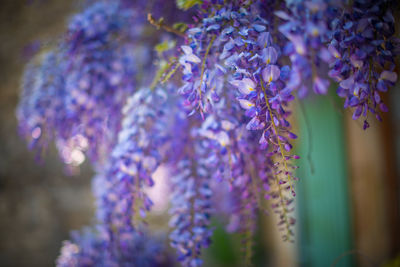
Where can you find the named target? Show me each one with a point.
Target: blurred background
(348, 196)
(39, 205)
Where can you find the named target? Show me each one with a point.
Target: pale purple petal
(334, 51)
(389, 75)
(281, 14)
(187, 49)
(299, 44)
(270, 55)
(348, 83)
(320, 85)
(271, 73)
(246, 104)
(192, 58)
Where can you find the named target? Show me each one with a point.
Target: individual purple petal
(292, 135)
(383, 107)
(348, 83)
(302, 92)
(255, 124)
(288, 147)
(320, 85)
(285, 73)
(246, 104)
(192, 58)
(264, 39)
(229, 45)
(251, 112)
(356, 62)
(377, 97)
(281, 14)
(271, 73)
(187, 49)
(213, 27)
(335, 53)
(366, 125)
(381, 86)
(389, 76)
(270, 55)
(357, 112)
(247, 86)
(259, 28)
(299, 45)
(263, 142)
(325, 55)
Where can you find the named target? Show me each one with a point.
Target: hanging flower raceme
(122, 202)
(307, 27)
(100, 74)
(199, 61)
(248, 57)
(191, 205)
(76, 94)
(241, 64)
(364, 47)
(41, 105)
(244, 194)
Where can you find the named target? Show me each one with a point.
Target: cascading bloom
(235, 44)
(100, 74)
(122, 201)
(236, 89)
(76, 93)
(252, 58)
(191, 205)
(364, 47)
(307, 29)
(40, 108)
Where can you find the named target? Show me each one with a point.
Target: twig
(161, 25)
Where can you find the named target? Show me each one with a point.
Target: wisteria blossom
(207, 91)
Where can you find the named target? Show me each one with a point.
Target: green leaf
(164, 46)
(186, 4)
(180, 26)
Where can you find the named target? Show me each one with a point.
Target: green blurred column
(323, 203)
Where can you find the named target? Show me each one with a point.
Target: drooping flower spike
(228, 136)
(364, 48)
(306, 25)
(40, 108)
(244, 55)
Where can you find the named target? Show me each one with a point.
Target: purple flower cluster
(66, 96)
(245, 55)
(122, 201)
(228, 138)
(91, 247)
(307, 30)
(364, 47)
(38, 112)
(191, 205)
(100, 74)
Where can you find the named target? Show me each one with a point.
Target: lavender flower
(244, 54)
(363, 46)
(40, 107)
(241, 64)
(122, 201)
(91, 247)
(307, 28)
(99, 76)
(191, 202)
